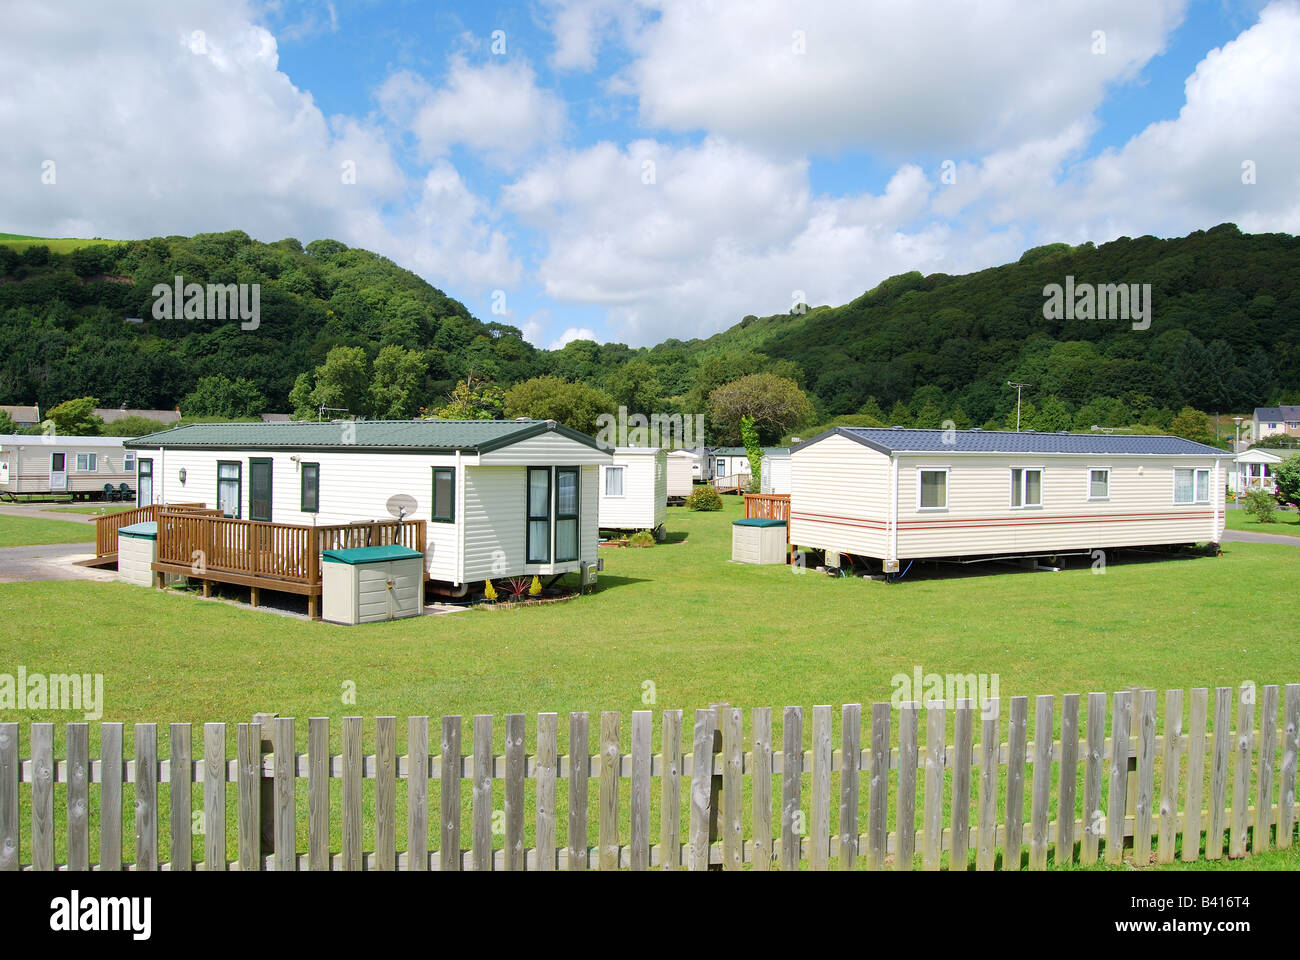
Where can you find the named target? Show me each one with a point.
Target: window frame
(1195, 500)
(576, 516)
(239, 486)
(140, 473)
(1024, 488)
(302, 487)
(1090, 497)
(434, 515)
(530, 518)
(128, 461)
(920, 471)
(62, 469)
(92, 461)
(604, 477)
(270, 488)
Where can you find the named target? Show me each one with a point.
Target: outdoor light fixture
(181, 475)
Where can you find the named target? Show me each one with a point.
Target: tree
(872, 409)
(220, 396)
(1191, 424)
(76, 417)
(1052, 416)
(135, 426)
(900, 416)
(754, 451)
(1287, 477)
(775, 404)
(1022, 418)
(343, 382)
(396, 382)
(473, 400)
(575, 405)
(7, 424)
(635, 386)
(929, 417)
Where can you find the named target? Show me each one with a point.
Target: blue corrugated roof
(906, 440)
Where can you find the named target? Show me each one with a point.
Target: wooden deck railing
(767, 506)
(732, 483)
(106, 527)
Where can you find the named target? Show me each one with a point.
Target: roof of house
(1284, 412)
(405, 435)
(111, 414)
(19, 413)
(59, 440)
(741, 451)
(905, 440)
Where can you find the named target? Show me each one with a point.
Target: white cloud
(496, 109)
(896, 78)
(570, 334)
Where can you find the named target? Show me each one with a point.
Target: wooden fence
(768, 506)
(106, 526)
(726, 770)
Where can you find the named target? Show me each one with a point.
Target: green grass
(1285, 522)
(103, 508)
(673, 626)
(20, 242)
(34, 531)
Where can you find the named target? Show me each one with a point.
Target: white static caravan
(80, 466)
(683, 468)
(634, 489)
(775, 472)
(896, 495)
(501, 498)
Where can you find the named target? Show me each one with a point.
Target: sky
(634, 170)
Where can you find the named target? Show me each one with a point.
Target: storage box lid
(758, 522)
(145, 530)
(356, 555)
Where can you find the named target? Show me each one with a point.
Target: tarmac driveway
(53, 561)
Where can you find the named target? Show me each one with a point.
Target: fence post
(267, 788)
(715, 787)
(1130, 802)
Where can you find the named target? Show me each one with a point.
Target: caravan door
(58, 472)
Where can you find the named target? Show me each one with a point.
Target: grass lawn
(32, 531)
(674, 626)
(103, 508)
(1285, 522)
(20, 242)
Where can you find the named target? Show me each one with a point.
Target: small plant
(518, 587)
(1260, 505)
(704, 498)
(642, 538)
(535, 588)
(489, 591)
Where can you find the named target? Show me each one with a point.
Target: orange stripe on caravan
(1028, 520)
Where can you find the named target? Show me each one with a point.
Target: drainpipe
(460, 522)
(892, 532)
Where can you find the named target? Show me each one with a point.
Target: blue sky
(637, 169)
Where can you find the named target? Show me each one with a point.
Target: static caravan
(894, 494)
(1253, 469)
(501, 498)
(775, 472)
(80, 466)
(634, 489)
(683, 468)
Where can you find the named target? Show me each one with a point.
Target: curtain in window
(228, 488)
(1099, 488)
(1202, 485)
(539, 514)
(566, 515)
(1033, 488)
(1182, 486)
(934, 488)
(613, 481)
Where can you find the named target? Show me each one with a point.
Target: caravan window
(1191, 485)
(566, 514)
(613, 481)
(310, 496)
(932, 488)
(144, 483)
(229, 487)
(128, 462)
(444, 494)
(538, 532)
(1026, 487)
(87, 462)
(1098, 484)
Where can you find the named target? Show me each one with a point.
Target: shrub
(1259, 505)
(642, 538)
(704, 498)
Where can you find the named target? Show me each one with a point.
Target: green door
(259, 490)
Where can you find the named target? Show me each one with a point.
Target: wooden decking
(106, 527)
(733, 483)
(266, 556)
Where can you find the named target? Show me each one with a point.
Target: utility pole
(320, 414)
(1019, 387)
(1236, 442)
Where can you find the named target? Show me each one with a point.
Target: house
(733, 462)
(634, 489)
(774, 471)
(112, 415)
(1253, 469)
(80, 466)
(22, 416)
(896, 494)
(1274, 421)
(683, 468)
(500, 498)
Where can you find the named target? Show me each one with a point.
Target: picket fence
(875, 774)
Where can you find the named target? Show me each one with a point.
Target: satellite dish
(401, 505)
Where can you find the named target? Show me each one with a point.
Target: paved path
(1249, 536)
(54, 561)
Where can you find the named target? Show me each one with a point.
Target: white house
(80, 466)
(634, 489)
(683, 468)
(774, 471)
(501, 498)
(1253, 469)
(734, 461)
(894, 494)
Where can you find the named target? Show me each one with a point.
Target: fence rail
(878, 772)
(767, 506)
(106, 526)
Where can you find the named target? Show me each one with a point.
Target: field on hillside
(673, 626)
(20, 242)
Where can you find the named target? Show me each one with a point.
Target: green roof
(471, 435)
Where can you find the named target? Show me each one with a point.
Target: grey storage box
(756, 540)
(369, 584)
(137, 548)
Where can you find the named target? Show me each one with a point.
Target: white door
(58, 472)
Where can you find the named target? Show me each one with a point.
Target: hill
(1224, 331)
